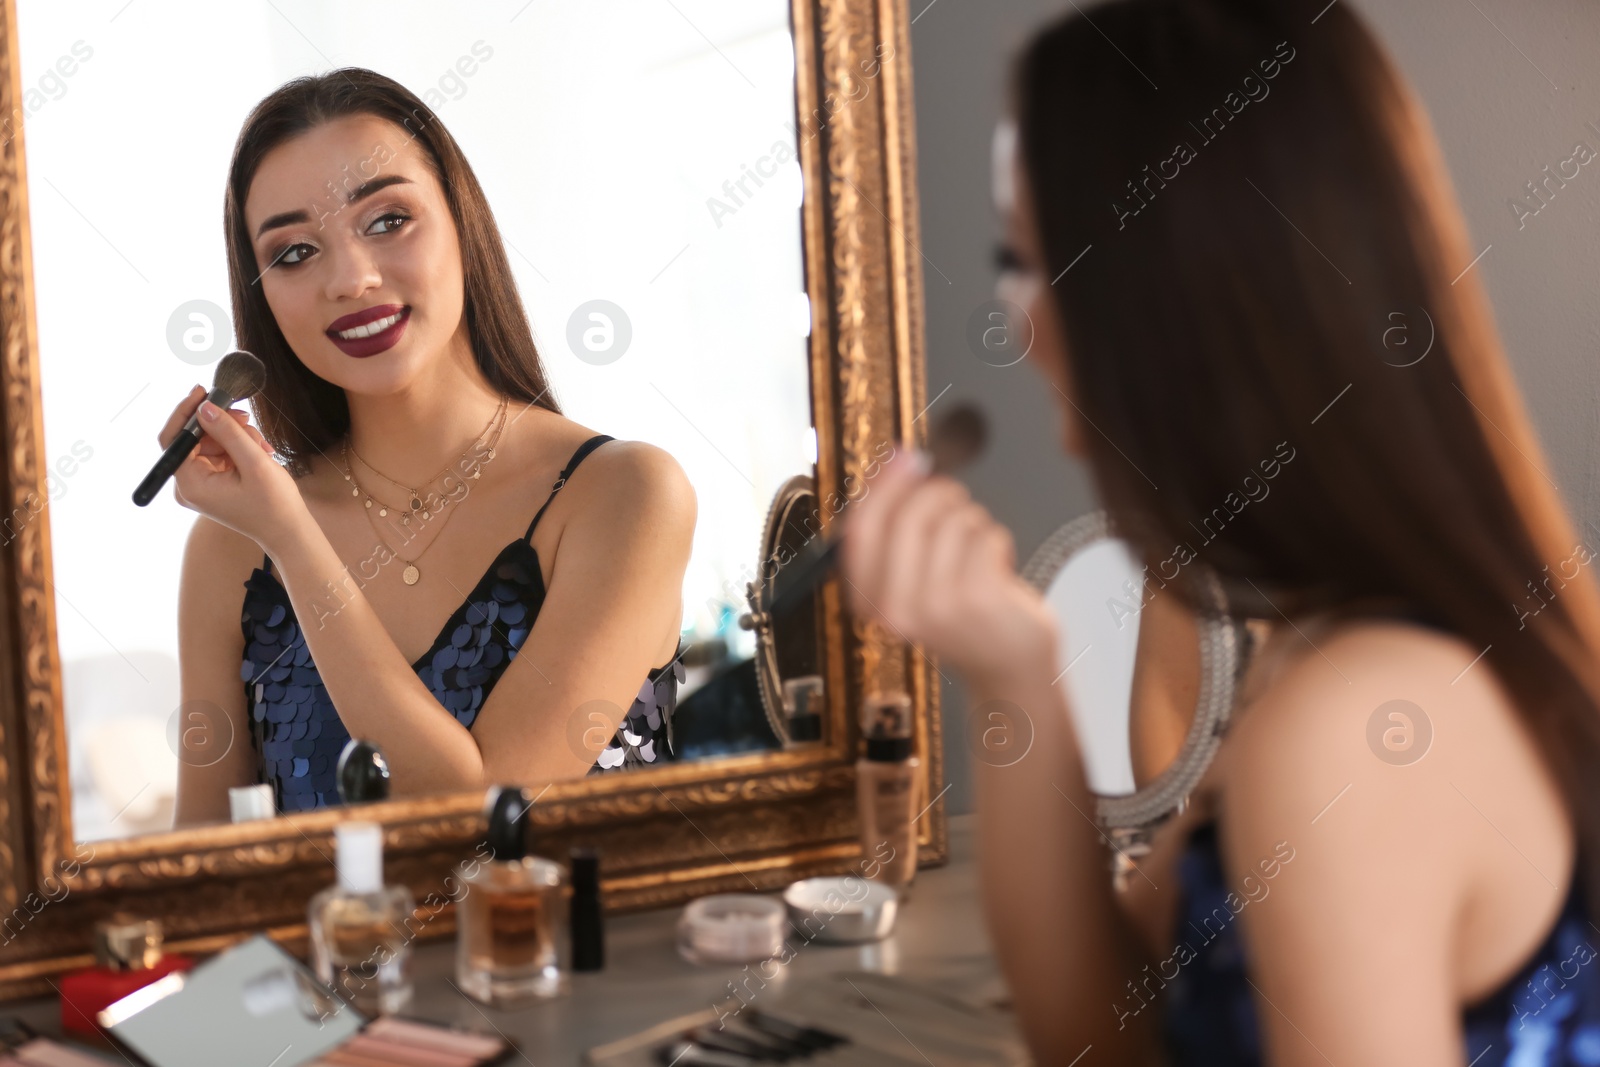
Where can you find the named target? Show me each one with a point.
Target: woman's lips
(371, 345)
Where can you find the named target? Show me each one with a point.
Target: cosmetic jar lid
(359, 856)
(844, 910)
(507, 807)
(124, 943)
(731, 928)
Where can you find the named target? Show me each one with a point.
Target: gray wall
(1512, 86)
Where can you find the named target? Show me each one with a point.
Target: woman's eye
(288, 256)
(396, 216)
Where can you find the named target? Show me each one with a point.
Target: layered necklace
(418, 507)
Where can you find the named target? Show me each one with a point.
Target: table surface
(939, 938)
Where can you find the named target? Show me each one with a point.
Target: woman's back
(1378, 807)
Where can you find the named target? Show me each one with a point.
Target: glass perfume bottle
(887, 792)
(128, 956)
(358, 943)
(512, 940)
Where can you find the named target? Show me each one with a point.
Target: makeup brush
(953, 441)
(239, 375)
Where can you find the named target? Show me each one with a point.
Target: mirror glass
(640, 161)
(1130, 659)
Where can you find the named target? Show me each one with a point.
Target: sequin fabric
(298, 735)
(1545, 1015)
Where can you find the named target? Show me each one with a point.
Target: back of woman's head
(1276, 268)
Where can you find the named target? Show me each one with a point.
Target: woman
(351, 210)
(1211, 226)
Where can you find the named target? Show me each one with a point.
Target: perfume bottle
(512, 941)
(887, 792)
(358, 943)
(128, 957)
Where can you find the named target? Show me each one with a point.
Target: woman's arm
(615, 589)
(923, 558)
(214, 747)
(1063, 944)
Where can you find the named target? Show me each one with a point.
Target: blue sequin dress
(298, 735)
(1547, 1014)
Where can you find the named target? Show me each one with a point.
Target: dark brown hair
(1259, 202)
(298, 412)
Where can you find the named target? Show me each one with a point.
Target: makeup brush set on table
(844, 1019)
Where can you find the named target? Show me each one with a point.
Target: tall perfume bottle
(512, 941)
(358, 941)
(887, 793)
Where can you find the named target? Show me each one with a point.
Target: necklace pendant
(410, 574)
(405, 520)
(426, 514)
(416, 503)
(478, 472)
(354, 491)
(491, 453)
(383, 511)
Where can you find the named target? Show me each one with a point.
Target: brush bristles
(956, 439)
(240, 374)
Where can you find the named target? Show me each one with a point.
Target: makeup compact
(255, 1002)
(21, 1047)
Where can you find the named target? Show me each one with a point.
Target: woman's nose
(353, 272)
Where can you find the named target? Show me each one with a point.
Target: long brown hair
(298, 412)
(1259, 203)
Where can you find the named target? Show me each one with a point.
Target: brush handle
(168, 464)
(803, 573)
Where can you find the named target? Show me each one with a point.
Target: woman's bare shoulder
(624, 476)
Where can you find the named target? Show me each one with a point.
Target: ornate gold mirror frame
(669, 834)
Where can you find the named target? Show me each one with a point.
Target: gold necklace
(411, 575)
(417, 504)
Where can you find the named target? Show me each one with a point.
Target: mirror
(764, 344)
(1150, 684)
(788, 642)
(660, 262)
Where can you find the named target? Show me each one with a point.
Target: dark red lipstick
(373, 343)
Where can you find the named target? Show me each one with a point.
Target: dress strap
(572, 464)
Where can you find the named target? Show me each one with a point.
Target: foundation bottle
(887, 793)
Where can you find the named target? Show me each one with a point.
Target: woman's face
(324, 257)
(1022, 281)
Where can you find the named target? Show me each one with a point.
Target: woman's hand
(922, 556)
(231, 476)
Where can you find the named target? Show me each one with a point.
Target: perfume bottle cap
(359, 856)
(362, 772)
(890, 749)
(584, 864)
(124, 943)
(507, 807)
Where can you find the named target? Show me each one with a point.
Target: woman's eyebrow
(365, 189)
